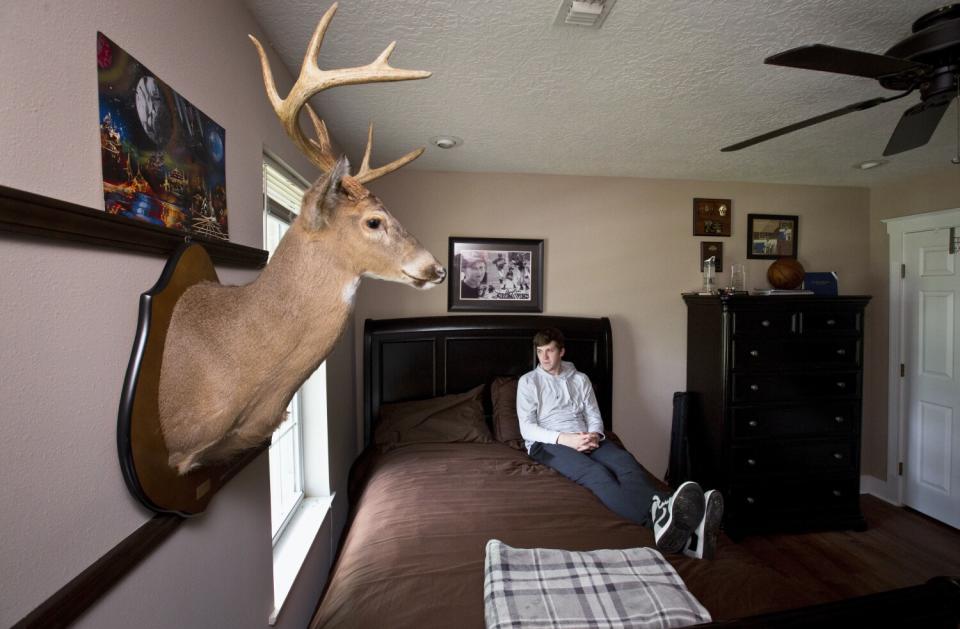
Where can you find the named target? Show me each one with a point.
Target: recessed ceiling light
(446, 141)
(870, 163)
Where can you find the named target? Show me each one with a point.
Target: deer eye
(373, 223)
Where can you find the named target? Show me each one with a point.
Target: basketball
(785, 273)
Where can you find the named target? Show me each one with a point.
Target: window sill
(291, 549)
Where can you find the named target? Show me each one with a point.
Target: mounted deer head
(235, 355)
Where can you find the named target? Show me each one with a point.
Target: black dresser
(775, 415)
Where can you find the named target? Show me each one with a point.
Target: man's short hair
(548, 335)
(472, 259)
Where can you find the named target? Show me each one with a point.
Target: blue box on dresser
(821, 283)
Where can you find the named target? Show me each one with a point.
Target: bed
(423, 508)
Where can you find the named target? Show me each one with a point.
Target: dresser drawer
(803, 459)
(751, 387)
(820, 321)
(835, 352)
(839, 495)
(754, 352)
(838, 418)
(764, 322)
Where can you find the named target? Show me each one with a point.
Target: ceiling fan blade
(916, 126)
(809, 122)
(845, 61)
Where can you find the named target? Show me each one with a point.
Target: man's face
(549, 356)
(473, 273)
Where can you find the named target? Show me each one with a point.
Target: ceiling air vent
(590, 13)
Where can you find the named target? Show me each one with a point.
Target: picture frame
(712, 217)
(495, 275)
(710, 249)
(772, 236)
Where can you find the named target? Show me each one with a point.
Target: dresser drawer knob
(837, 493)
(751, 462)
(752, 423)
(841, 385)
(754, 387)
(765, 323)
(841, 352)
(838, 456)
(838, 419)
(831, 322)
(754, 353)
(750, 500)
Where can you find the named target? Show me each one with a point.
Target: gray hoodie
(548, 405)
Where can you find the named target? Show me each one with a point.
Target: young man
(561, 424)
(473, 270)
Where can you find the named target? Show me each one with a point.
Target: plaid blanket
(600, 589)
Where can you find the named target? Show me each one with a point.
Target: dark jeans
(610, 472)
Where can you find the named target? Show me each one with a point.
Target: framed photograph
(712, 217)
(712, 250)
(772, 236)
(495, 275)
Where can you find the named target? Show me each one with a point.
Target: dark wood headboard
(417, 358)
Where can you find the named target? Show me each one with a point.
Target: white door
(931, 387)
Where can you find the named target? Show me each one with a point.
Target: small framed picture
(772, 236)
(495, 275)
(712, 217)
(712, 250)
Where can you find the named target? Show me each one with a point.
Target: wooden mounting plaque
(143, 453)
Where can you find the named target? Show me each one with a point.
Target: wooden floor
(899, 548)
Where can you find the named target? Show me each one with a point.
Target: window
(282, 196)
(300, 496)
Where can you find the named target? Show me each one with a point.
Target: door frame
(897, 228)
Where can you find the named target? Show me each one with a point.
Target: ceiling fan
(928, 60)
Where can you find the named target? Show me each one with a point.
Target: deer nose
(439, 272)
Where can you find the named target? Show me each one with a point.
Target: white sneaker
(676, 517)
(703, 542)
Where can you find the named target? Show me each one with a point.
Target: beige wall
(620, 248)
(938, 191)
(68, 315)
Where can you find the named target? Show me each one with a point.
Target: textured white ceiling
(654, 93)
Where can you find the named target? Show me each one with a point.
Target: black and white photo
(496, 274)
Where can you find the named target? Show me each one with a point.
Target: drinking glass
(738, 278)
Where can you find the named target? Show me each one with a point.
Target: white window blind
(281, 186)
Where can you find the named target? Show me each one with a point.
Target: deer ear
(323, 197)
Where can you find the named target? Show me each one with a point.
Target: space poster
(163, 159)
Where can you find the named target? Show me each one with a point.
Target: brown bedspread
(414, 554)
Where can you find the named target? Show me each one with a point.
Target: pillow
(446, 419)
(506, 424)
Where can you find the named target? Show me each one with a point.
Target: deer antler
(313, 80)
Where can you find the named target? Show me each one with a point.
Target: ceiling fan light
(446, 141)
(870, 163)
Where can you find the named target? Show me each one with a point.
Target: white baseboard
(881, 489)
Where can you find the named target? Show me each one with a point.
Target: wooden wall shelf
(35, 215)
